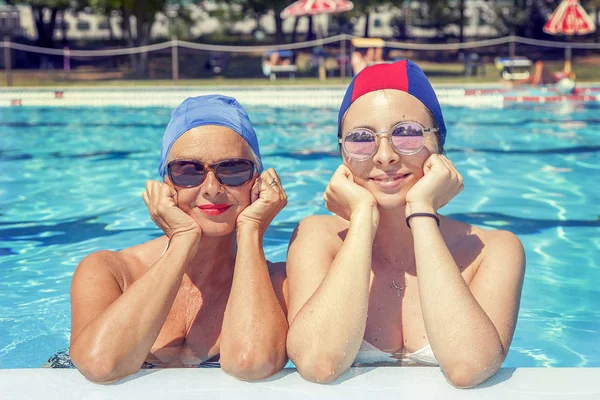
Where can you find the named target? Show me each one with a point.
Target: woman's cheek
(185, 201)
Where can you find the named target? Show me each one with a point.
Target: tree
(258, 8)
(365, 7)
(439, 15)
(512, 19)
(137, 20)
(39, 8)
(595, 6)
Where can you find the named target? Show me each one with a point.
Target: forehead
(210, 143)
(383, 108)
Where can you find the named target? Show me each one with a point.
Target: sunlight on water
(72, 179)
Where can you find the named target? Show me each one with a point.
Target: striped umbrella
(569, 19)
(303, 8)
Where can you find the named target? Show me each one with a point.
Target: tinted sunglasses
(406, 138)
(190, 173)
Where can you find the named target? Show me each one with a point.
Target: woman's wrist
(367, 215)
(412, 208)
(421, 216)
(249, 230)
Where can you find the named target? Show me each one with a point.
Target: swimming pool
(71, 181)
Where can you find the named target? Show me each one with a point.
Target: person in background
(542, 76)
(387, 278)
(203, 291)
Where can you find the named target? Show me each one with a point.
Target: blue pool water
(71, 183)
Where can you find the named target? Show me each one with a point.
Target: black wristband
(437, 219)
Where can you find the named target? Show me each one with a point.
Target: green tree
(45, 28)
(137, 20)
(593, 6)
(438, 14)
(366, 7)
(512, 18)
(257, 8)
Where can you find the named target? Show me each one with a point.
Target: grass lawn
(438, 74)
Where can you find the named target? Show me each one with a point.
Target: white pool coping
(358, 383)
(286, 96)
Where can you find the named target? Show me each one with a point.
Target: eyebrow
(375, 130)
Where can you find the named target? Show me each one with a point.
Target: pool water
(71, 181)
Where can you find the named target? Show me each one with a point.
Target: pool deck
(358, 383)
(494, 96)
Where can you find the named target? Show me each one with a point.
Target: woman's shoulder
(461, 231)
(322, 226)
(125, 265)
(488, 244)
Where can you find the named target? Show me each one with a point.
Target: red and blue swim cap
(402, 75)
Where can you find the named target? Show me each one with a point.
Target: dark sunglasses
(406, 138)
(190, 173)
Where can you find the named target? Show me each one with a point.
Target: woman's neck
(394, 239)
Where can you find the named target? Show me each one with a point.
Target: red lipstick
(214, 209)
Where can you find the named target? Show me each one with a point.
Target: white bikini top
(369, 354)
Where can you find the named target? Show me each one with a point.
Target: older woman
(203, 289)
(388, 278)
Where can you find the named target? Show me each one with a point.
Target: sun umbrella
(569, 19)
(302, 8)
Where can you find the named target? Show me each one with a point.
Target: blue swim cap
(212, 109)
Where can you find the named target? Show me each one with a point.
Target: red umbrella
(302, 8)
(569, 19)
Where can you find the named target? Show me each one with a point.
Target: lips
(392, 181)
(214, 209)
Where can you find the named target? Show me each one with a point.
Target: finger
(450, 170)
(343, 170)
(271, 178)
(455, 174)
(448, 164)
(282, 193)
(430, 164)
(256, 188)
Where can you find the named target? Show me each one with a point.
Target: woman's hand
(440, 183)
(343, 196)
(161, 200)
(267, 198)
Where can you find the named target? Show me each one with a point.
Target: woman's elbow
(97, 372)
(318, 368)
(97, 369)
(251, 366)
(467, 375)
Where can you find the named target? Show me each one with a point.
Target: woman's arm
(112, 332)
(254, 327)
(469, 328)
(329, 288)
(328, 296)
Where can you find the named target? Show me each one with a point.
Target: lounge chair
(512, 69)
(278, 62)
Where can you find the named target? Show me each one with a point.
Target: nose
(385, 154)
(211, 186)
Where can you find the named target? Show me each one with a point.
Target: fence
(328, 56)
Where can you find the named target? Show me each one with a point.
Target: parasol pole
(322, 72)
(343, 59)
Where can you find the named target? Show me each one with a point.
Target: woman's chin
(390, 201)
(214, 229)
